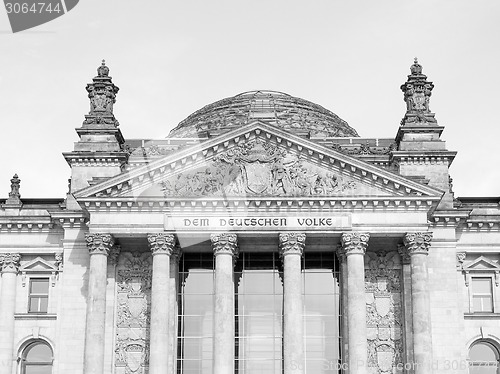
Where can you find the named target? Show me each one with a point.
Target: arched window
(484, 358)
(36, 358)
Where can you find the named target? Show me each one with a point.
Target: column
(343, 303)
(162, 245)
(174, 307)
(225, 247)
(9, 266)
(291, 249)
(417, 247)
(109, 357)
(354, 245)
(99, 246)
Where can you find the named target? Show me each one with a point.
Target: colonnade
(225, 247)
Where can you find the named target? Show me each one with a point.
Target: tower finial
(417, 91)
(14, 195)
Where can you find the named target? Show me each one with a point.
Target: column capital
(99, 243)
(292, 243)
(224, 243)
(9, 262)
(161, 243)
(405, 256)
(354, 242)
(114, 254)
(340, 253)
(417, 242)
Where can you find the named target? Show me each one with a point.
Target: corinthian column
(291, 249)
(225, 247)
(9, 266)
(416, 245)
(162, 245)
(99, 246)
(354, 245)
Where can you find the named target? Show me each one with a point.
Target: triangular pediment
(38, 265)
(482, 264)
(258, 161)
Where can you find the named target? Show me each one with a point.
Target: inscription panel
(258, 223)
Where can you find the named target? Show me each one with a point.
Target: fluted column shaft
(354, 245)
(225, 249)
(343, 295)
(9, 266)
(99, 246)
(162, 246)
(417, 247)
(291, 249)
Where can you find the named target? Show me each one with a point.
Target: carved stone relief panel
(261, 168)
(133, 312)
(384, 312)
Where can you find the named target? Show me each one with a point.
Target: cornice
(448, 218)
(127, 183)
(34, 224)
(70, 218)
(85, 158)
(430, 157)
(145, 204)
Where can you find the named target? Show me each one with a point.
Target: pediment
(482, 264)
(258, 161)
(38, 265)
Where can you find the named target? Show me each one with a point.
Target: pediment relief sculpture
(261, 168)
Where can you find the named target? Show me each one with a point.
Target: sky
(170, 58)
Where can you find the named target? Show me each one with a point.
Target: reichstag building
(262, 235)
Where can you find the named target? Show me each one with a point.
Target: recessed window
(483, 359)
(37, 359)
(482, 295)
(38, 295)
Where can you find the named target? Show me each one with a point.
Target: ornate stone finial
(161, 243)
(416, 68)
(417, 91)
(103, 70)
(14, 195)
(225, 243)
(99, 243)
(355, 242)
(102, 94)
(417, 242)
(9, 262)
(292, 243)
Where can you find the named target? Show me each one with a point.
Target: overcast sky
(170, 58)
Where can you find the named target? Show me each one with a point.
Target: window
(38, 295)
(484, 358)
(195, 331)
(259, 313)
(37, 359)
(482, 295)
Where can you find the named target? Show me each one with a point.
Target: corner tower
(98, 154)
(421, 153)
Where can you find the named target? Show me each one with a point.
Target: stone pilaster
(354, 245)
(416, 245)
(407, 323)
(162, 246)
(109, 355)
(225, 247)
(99, 246)
(9, 266)
(344, 333)
(174, 307)
(291, 249)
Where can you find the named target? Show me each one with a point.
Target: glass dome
(278, 109)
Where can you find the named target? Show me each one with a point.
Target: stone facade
(95, 277)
